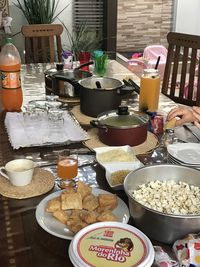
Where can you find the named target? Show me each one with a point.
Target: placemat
(82, 119)
(69, 100)
(22, 133)
(42, 182)
(150, 143)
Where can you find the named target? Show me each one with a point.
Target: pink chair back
(151, 54)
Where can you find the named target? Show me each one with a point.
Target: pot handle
(97, 124)
(84, 64)
(125, 90)
(55, 77)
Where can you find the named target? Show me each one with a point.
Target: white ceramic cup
(18, 171)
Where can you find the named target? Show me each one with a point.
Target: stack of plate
(185, 154)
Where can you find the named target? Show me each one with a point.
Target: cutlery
(132, 84)
(189, 130)
(54, 163)
(54, 153)
(137, 88)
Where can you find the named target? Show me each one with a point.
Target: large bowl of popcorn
(164, 201)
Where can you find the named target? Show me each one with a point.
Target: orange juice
(67, 168)
(149, 90)
(10, 64)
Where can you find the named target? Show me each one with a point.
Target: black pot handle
(131, 83)
(56, 77)
(125, 90)
(97, 124)
(84, 65)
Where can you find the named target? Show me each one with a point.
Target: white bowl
(100, 150)
(113, 167)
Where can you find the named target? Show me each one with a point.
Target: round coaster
(42, 182)
(150, 143)
(83, 119)
(69, 100)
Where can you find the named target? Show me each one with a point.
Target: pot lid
(67, 73)
(101, 83)
(112, 244)
(122, 118)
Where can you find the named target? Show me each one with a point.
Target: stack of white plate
(185, 154)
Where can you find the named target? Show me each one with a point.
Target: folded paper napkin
(40, 132)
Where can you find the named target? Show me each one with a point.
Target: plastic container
(111, 244)
(10, 64)
(149, 90)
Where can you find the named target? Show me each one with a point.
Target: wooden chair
(40, 40)
(182, 71)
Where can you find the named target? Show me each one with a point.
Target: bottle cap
(151, 71)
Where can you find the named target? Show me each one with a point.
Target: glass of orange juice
(67, 168)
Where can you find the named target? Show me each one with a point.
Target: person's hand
(196, 114)
(184, 113)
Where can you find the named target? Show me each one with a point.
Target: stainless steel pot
(121, 127)
(156, 225)
(63, 82)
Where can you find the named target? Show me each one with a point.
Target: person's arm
(196, 114)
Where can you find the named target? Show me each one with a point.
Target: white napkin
(21, 135)
(186, 136)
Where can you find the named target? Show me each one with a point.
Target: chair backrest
(181, 77)
(152, 52)
(40, 40)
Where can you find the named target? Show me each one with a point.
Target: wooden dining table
(22, 241)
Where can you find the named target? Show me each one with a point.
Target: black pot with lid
(122, 127)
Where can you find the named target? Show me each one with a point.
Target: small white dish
(114, 167)
(100, 150)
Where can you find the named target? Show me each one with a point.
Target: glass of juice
(67, 168)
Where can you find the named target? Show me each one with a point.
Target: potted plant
(39, 11)
(83, 41)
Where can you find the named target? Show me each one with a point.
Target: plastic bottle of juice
(149, 90)
(10, 64)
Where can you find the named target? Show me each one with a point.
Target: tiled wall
(142, 23)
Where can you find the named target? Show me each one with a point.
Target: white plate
(56, 228)
(100, 150)
(113, 167)
(185, 152)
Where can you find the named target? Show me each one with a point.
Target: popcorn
(169, 197)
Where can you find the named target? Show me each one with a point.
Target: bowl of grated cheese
(116, 172)
(111, 154)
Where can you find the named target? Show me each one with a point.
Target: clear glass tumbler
(67, 168)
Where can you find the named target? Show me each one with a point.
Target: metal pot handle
(55, 77)
(97, 124)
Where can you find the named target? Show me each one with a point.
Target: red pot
(121, 127)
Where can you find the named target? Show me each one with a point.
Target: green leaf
(39, 11)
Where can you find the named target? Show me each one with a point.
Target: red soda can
(157, 124)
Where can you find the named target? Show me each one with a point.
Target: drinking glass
(101, 61)
(67, 168)
(84, 57)
(55, 124)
